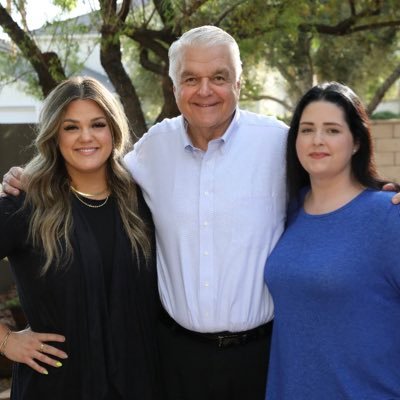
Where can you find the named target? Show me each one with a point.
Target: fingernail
(58, 364)
(64, 356)
(45, 372)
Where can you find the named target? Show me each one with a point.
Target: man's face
(207, 90)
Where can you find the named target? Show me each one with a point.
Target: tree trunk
(47, 65)
(380, 93)
(169, 109)
(111, 60)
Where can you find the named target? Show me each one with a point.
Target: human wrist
(4, 341)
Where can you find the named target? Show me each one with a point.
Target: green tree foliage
(307, 41)
(355, 42)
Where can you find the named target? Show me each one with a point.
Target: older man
(214, 181)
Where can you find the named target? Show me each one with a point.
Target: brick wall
(386, 136)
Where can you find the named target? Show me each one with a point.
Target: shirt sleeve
(134, 163)
(13, 225)
(390, 245)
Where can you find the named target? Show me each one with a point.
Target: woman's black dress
(105, 303)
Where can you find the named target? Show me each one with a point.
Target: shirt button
(206, 193)
(206, 253)
(206, 284)
(205, 223)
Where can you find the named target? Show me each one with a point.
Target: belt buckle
(230, 340)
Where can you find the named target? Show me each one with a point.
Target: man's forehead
(203, 70)
(207, 60)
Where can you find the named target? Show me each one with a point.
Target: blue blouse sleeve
(390, 245)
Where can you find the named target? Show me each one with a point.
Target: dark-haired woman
(335, 273)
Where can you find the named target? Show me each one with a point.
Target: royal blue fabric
(335, 283)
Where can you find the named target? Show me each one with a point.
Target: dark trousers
(197, 370)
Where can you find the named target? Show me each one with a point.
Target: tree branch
(108, 10)
(146, 63)
(111, 60)
(152, 41)
(283, 103)
(352, 7)
(348, 25)
(162, 35)
(380, 93)
(124, 10)
(378, 25)
(290, 79)
(193, 7)
(46, 65)
(224, 14)
(347, 29)
(165, 11)
(169, 108)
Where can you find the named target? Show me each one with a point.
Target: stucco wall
(15, 149)
(386, 134)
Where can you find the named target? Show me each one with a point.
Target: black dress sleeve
(13, 224)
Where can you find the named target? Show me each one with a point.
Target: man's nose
(205, 87)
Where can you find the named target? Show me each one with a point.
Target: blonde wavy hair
(48, 184)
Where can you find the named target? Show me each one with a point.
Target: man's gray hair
(206, 36)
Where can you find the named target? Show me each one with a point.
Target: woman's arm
(29, 347)
(25, 346)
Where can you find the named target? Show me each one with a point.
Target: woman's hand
(29, 347)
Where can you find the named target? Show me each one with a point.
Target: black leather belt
(220, 339)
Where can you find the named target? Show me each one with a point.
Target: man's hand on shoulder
(12, 182)
(392, 187)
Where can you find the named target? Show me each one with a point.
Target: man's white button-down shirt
(218, 214)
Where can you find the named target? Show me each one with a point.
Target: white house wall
(88, 51)
(16, 106)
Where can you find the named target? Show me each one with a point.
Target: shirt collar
(225, 138)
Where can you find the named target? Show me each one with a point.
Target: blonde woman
(80, 246)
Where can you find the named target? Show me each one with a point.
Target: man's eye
(219, 78)
(190, 80)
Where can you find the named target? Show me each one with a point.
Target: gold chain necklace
(91, 205)
(87, 194)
